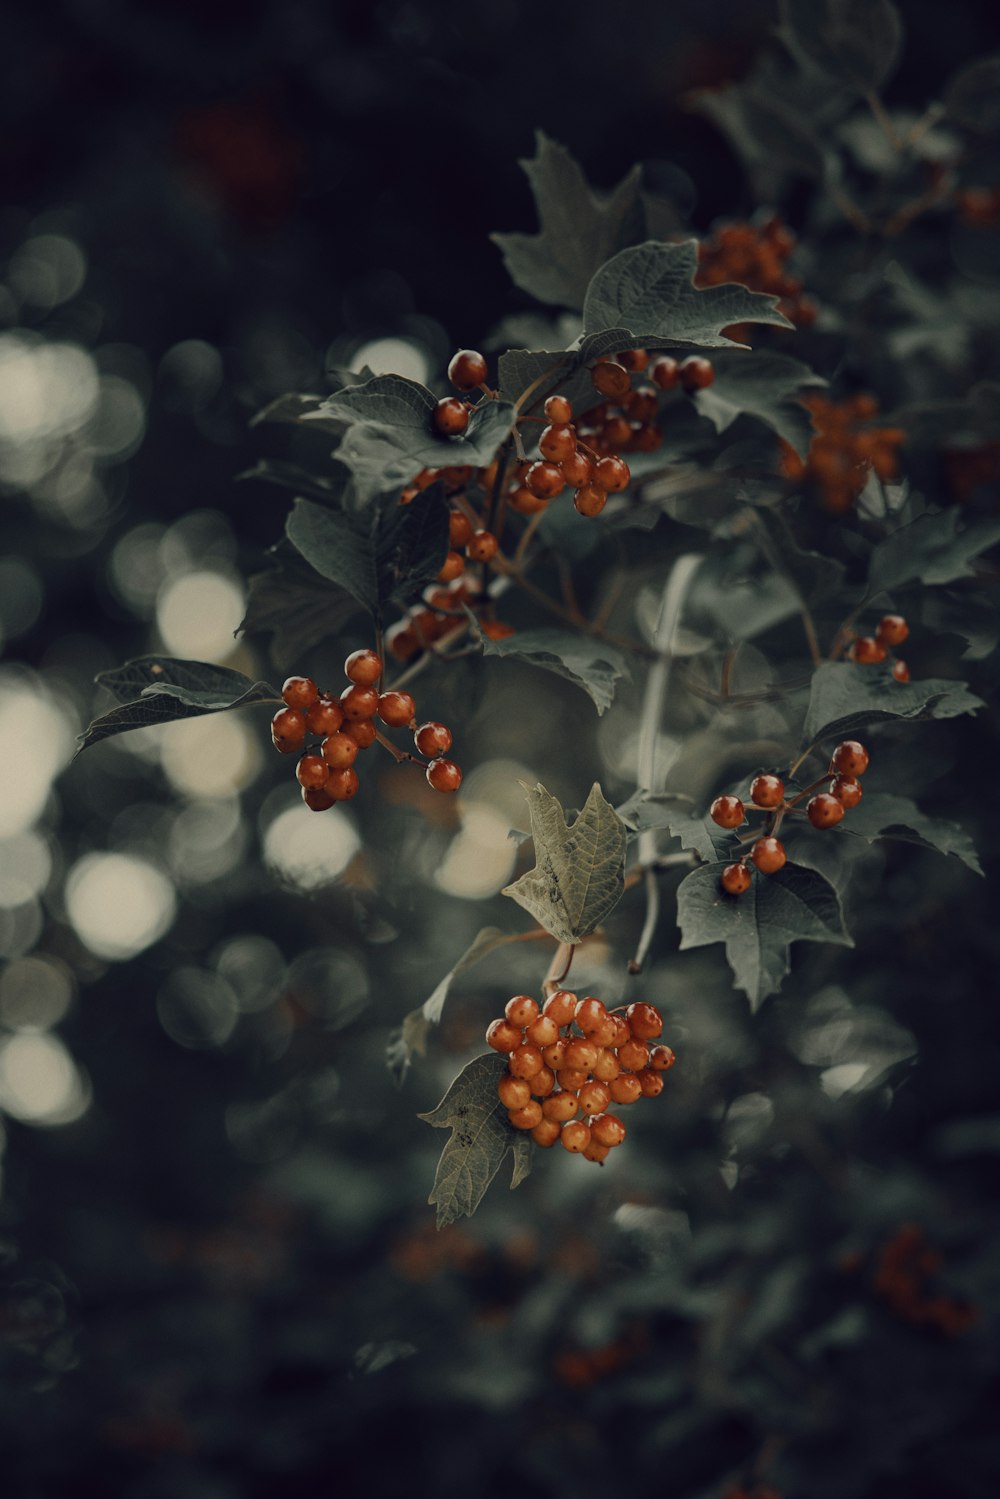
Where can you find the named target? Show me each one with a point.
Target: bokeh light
(35, 993)
(198, 613)
(118, 904)
(197, 1008)
(213, 756)
(39, 1081)
(36, 741)
(395, 356)
(308, 849)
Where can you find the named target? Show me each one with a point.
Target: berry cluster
(979, 207)
(824, 809)
(467, 371)
(869, 650)
(560, 1082)
(755, 255)
(905, 1265)
(843, 450)
(345, 726)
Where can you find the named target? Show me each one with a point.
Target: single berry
(578, 469)
(867, 651)
(525, 1060)
(317, 798)
(342, 784)
(572, 1078)
(544, 1033)
(359, 702)
(607, 1129)
(397, 709)
(661, 1058)
(339, 751)
(664, 372)
(545, 480)
(561, 1106)
(467, 369)
(846, 791)
(527, 1117)
(604, 1034)
(617, 431)
(575, 1136)
(626, 1088)
(849, 759)
(901, 671)
(432, 739)
(824, 810)
(610, 379)
(561, 1006)
(450, 416)
(635, 360)
(647, 438)
(364, 668)
(612, 474)
(650, 1082)
(452, 567)
(513, 1092)
(633, 1055)
(482, 546)
(503, 1036)
(596, 1152)
(696, 373)
(594, 1098)
(521, 1010)
(591, 1015)
(362, 731)
(288, 730)
(558, 411)
(581, 1053)
(300, 692)
(557, 443)
(622, 1032)
(590, 499)
(642, 404)
(767, 791)
(607, 1067)
(727, 811)
(459, 529)
(644, 1021)
(892, 630)
(735, 879)
(543, 1082)
(768, 854)
(546, 1134)
(443, 775)
(312, 770)
(325, 716)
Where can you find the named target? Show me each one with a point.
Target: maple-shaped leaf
(579, 872)
(481, 1136)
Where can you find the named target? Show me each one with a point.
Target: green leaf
(855, 42)
(763, 129)
(160, 689)
(288, 475)
(293, 603)
(816, 577)
(764, 386)
(588, 663)
(732, 596)
(972, 96)
(579, 872)
(758, 928)
(580, 230)
(646, 811)
(645, 297)
(881, 814)
(481, 1136)
(931, 549)
(295, 408)
(845, 697)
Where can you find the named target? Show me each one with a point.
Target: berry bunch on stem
(871, 650)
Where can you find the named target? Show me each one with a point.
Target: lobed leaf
(481, 1136)
(931, 549)
(972, 95)
(764, 386)
(297, 606)
(160, 689)
(588, 663)
(845, 697)
(579, 873)
(854, 42)
(881, 814)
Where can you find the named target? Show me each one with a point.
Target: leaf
(645, 297)
(764, 386)
(881, 814)
(763, 129)
(591, 664)
(579, 873)
(295, 408)
(288, 475)
(816, 577)
(931, 549)
(646, 811)
(481, 1136)
(295, 605)
(972, 96)
(413, 1032)
(160, 689)
(758, 928)
(845, 697)
(855, 42)
(734, 597)
(579, 231)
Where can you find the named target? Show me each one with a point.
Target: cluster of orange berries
(905, 1264)
(870, 650)
(843, 451)
(345, 725)
(755, 256)
(979, 207)
(467, 371)
(560, 1082)
(848, 763)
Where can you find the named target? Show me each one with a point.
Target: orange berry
(767, 791)
(342, 784)
(467, 369)
(482, 546)
(452, 567)
(577, 469)
(396, 709)
(625, 1088)
(288, 730)
(558, 411)
(339, 751)
(443, 775)
(561, 1006)
(610, 379)
(359, 702)
(521, 1010)
(545, 480)
(622, 1034)
(846, 791)
(612, 474)
(525, 1060)
(594, 1098)
(635, 360)
(363, 668)
(325, 716)
(450, 417)
(607, 1067)
(892, 630)
(543, 1083)
(590, 500)
(735, 879)
(696, 373)
(591, 1015)
(560, 1106)
(503, 1036)
(546, 1133)
(727, 811)
(514, 1092)
(607, 1129)
(650, 1082)
(644, 1021)
(300, 692)
(555, 1054)
(664, 372)
(543, 1032)
(596, 1152)
(867, 651)
(317, 798)
(581, 1053)
(633, 1055)
(575, 1136)
(768, 854)
(459, 530)
(661, 1058)
(362, 731)
(572, 1078)
(849, 759)
(312, 770)
(432, 739)
(528, 1116)
(557, 443)
(824, 810)
(901, 671)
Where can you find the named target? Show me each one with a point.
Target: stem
(883, 121)
(541, 379)
(397, 754)
(562, 962)
(637, 963)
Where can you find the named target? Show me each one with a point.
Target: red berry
(642, 404)
(767, 791)
(362, 731)
(849, 759)
(768, 854)
(661, 1058)
(626, 1088)
(591, 1015)
(459, 529)
(635, 360)
(824, 810)
(288, 730)
(581, 1052)
(467, 369)
(560, 1107)
(577, 469)
(525, 1060)
(317, 798)
(696, 373)
(607, 1129)
(482, 546)
(612, 474)
(443, 775)
(452, 567)
(527, 1117)
(544, 1033)
(901, 671)
(363, 668)
(546, 1134)
(521, 1010)
(867, 651)
(727, 811)
(846, 791)
(594, 1098)
(633, 1054)
(892, 630)
(664, 372)
(339, 751)
(325, 716)
(590, 499)
(644, 1021)
(647, 439)
(650, 1082)
(575, 1136)
(503, 1036)
(312, 770)
(558, 411)
(617, 432)
(545, 480)
(300, 692)
(432, 739)
(735, 879)
(450, 416)
(342, 784)
(359, 702)
(610, 379)
(396, 709)
(561, 1006)
(513, 1092)
(557, 443)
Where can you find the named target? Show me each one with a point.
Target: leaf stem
(883, 121)
(562, 962)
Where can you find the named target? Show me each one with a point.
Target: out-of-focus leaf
(845, 697)
(934, 548)
(591, 664)
(296, 606)
(288, 475)
(972, 95)
(761, 385)
(481, 1136)
(815, 577)
(855, 42)
(161, 689)
(579, 872)
(881, 814)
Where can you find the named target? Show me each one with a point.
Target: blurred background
(218, 1274)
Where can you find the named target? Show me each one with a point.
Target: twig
(562, 961)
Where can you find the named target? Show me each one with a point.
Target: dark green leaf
(883, 815)
(591, 664)
(934, 548)
(579, 872)
(764, 386)
(972, 95)
(296, 606)
(974, 415)
(763, 129)
(816, 578)
(648, 810)
(758, 928)
(295, 408)
(846, 697)
(481, 1136)
(854, 42)
(579, 229)
(160, 689)
(293, 476)
(734, 597)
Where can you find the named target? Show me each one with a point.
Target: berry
(521, 1010)
(607, 1067)
(443, 775)
(591, 1015)
(727, 811)
(768, 854)
(459, 529)
(325, 716)
(503, 1036)
(607, 1129)
(664, 372)
(590, 499)
(560, 1107)
(397, 709)
(555, 1053)
(635, 360)
(642, 404)
(846, 791)
(558, 411)
(767, 791)
(695, 373)
(467, 369)
(557, 443)
(594, 1098)
(317, 798)
(359, 702)
(339, 751)
(849, 759)
(288, 730)
(362, 731)
(650, 1082)
(432, 739)
(626, 1088)
(610, 379)
(561, 1006)
(482, 546)
(312, 770)
(513, 1092)
(363, 668)
(662, 1058)
(892, 630)
(596, 1152)
(901, 671)
(300, 692)
(452, 567)
(572, 1078)
(824, 810)
(575, 1136)
(450, 417)
(581, 1053)
(342, 784)
(525, 1060)
(735, 879)
(545, 480)
(528, 1116)
(546, 1134)
(612, 474)
(633, 1055)
(577, 469)
(644, 1021)
(543, 1083)
(867, 651)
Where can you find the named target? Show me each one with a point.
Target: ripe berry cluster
(843, 450)
(560, 1082)
(755, 256)
(825, 809)
(869, 650)
(979, 207)
(467, 371)
(345, 726)
(905, 1265)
